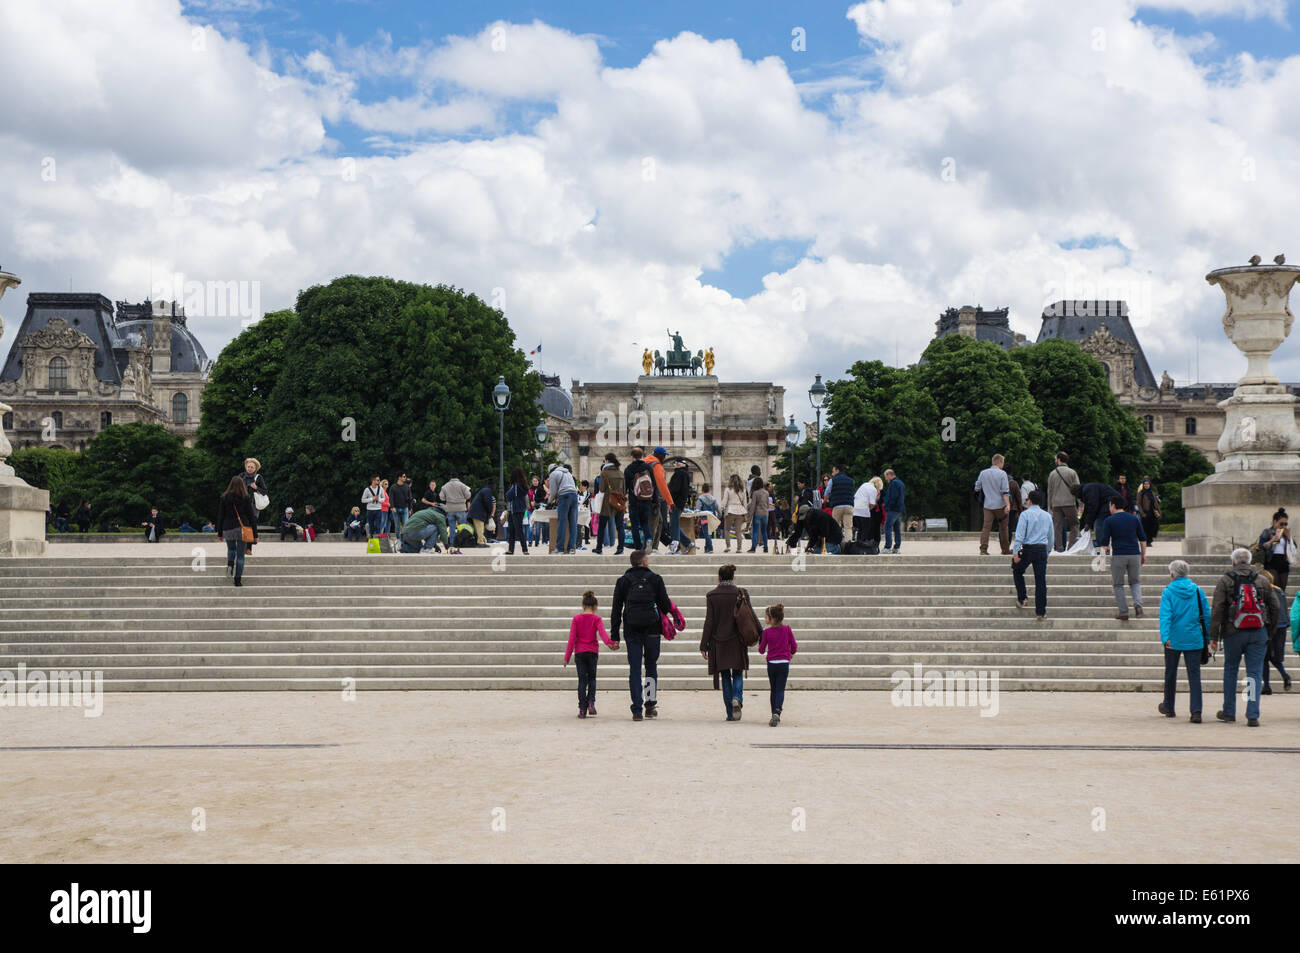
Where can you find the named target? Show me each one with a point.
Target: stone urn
(1260, 445)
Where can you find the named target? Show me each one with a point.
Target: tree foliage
(127, 468)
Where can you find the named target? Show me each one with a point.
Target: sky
(797, 185)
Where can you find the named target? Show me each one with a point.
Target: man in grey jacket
(1062, 485)
(561, 488)
(455, 498)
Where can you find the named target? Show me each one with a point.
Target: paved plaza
(426, 776)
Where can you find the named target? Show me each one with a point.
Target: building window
(57, 417)
(105, 419)
(7, 422)
(1149, 424)
(180, 408)
(58, 374)
(1189, 426)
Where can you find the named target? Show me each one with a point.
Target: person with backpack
(1184, 625)
(721, 643)
(706, 503)
(613, 503)
(480, 511)
(679, 486)
(1063, 502)
(517, 509)
(1243, 613)
(1275, 657)
(735, 506)
(373, 498)
(640, 484)
(640, 598)
(584, 630)
(1121, 533)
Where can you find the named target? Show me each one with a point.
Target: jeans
(541, 532)
(733, 684)
(1035, 556)
(586, 662)
(454, 519)
(398, 516)
(350, 532)
(758, 531)
(1130, 566)
(517, 534)
(642, 645)
(777, 673)
(639, 516)
(566, 522)
(1252, 643)
(428, 536)
(675, 527)
(610, 527)
(235, 549)
(374, 522)
(708, 537)
(1193, 659)
(893, 524)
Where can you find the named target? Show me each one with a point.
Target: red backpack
(1246, 611)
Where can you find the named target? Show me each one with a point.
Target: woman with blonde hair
(258, 495)
(735, 507)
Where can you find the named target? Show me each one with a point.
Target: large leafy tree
(50, 469)
(127, 468)
(881, 419)
(983, 396)
(1070, 388)
(381, 376)
(239, 389)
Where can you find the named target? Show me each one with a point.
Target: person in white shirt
(1027, 486)
(373, 497)
(863, 500)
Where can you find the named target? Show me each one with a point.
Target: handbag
(746, 620)
(617, 501)
(245, 532)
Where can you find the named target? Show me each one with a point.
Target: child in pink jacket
(583, 632)
(779, 646)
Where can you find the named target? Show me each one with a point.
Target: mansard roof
(1077, 320)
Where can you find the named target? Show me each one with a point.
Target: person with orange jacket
(664, 498)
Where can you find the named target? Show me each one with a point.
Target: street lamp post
(543, 434)
(817, 397)
(501, 400)
(791, 438)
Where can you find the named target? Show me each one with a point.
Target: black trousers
(1035, 556)
(517, 532)
(586, 663)
(1277, 565)
(617, 520)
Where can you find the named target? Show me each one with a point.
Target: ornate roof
(1081, 321)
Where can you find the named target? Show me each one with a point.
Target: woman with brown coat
(613, 503)
(721, 645)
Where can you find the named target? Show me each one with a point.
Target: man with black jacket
(819, 526)
(399, 507)
(639, 599)
(638, 510)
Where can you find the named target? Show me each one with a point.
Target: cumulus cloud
(1000, 154)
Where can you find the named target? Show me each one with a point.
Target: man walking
(455, 497)
(840, 493)
(1121, 533)
(639, 599)
(561, 488)
(995, 489)
(1242, 614)
(1063, 501)
(1029, 548)
(894, 504)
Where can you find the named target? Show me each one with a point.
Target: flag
(536, 350)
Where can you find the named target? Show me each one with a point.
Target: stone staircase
(454, 622)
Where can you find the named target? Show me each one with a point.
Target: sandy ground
(426, 776)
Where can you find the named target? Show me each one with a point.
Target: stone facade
(79, 365)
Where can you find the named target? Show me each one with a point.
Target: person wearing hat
(659, 515)
(288, 528)
(563, 490)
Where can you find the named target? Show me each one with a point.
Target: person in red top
(586, 626)
(779, 646)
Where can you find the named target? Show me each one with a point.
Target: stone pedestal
(1260, 469)
(22, 517)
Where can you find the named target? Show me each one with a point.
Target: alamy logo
(937, 689)
(103, 906)
(670, 428)
(57, 689)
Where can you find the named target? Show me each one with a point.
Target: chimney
(966, 321)
(162, 338)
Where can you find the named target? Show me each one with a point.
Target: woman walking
(517, 508)
(1184, 625)
(613, 503)
(236, 522)
(721, 645)
(734, 509)
(1278, 549)
(1149, 510)
(758, 499)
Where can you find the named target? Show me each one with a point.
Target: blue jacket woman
(1182, 606)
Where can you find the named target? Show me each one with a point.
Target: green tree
(54, 470)
(239, 389)
(388, 376)
(1070, 388)
(1178, 461)
(127, 468)
(983, 396)
(883, 419)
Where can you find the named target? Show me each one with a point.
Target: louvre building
(80, 363)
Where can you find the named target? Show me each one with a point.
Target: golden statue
(708, 362)
(647, 362)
